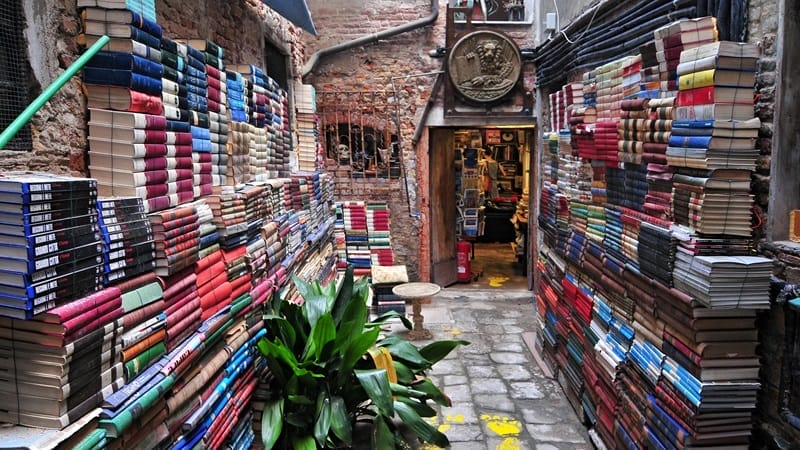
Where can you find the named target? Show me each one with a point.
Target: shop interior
(492, 167)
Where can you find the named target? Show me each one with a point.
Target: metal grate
(14, 73)
(359, 133)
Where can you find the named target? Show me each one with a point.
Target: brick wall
(59, 129)
(371, 68)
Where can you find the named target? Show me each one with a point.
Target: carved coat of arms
(484, 66)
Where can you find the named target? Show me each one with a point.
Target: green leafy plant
(334, 368)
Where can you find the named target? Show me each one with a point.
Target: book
(117, 30)
(710, 142)
(123, 78)
(129, 149)
(716, 62)
(715, 112)
(121, 16)
(126, 61)
(126, 45)
(716, 77)
(727, 128)
(122, 98)
(132, 164)
(126, 119)
(715, 94)
(133, 135)
(731, 49)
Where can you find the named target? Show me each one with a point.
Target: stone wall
(59, 128)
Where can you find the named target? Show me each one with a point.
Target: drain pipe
(374, 37)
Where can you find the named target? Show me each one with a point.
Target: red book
(173, 286)
(179, 138)
(715, 94)
(177, 235)
(220, 295)
(181, 162)
(165, 216)
(61, 314)
(190, 297)
(179, 248)
(211, 272)
(190, 316)
(213, 283)
(94, 324)
(84, 318)
(179, 150)
(139, 315)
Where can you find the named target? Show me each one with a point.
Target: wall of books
(130, 301)
(648, 282)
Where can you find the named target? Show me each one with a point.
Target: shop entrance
(480, 201)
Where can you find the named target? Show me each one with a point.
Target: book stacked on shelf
(129, 246)
(716, 82)
(182, 306)
(656, 252)
(128, 156)
(217, 100)
(306, 126)
(52, 250)
(239, 129)
(573, 100)
(144, 323)
(675, 37)
(609, 89)
(632, 77)
(280, 120)
(356, 236)
(650, 78)
(122, 80)
(145, 8)
(212, 284)
(557, 110)
(634, 131)
(713, 202)
(378, 230)
(659, 174)
(199, 119)
(180, 165)
(176, 235)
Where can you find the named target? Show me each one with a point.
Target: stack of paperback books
(659, 174)
(199, 120)
(144, 321)
(52, 250)
(715, 202)
(379, 233)
(129, 247)
(676, 37)
(182, 306)
(307, 126)
(356, 236)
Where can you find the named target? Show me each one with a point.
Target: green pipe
(51, 90)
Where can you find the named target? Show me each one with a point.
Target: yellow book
(716, 77)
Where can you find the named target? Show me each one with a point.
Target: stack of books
(279, 166)
(207, 231)
(713, 202)
(51, 251)
(656, 252)
(582, 131)
(721, 281)
(675, 37)
(239, 129)
(573, 100)
(632, 77)
(182, 306)
(212, 284)
(239, 277)
(305, 102)
(557, 110)
(59, 366)
(356, 236)
(144, 321)
(180, 165)
(659, 174)
(609, 89)
(199, 119)
(379, 232)
(650, 79)
(176, 235)
(129, 247)
(216, 96)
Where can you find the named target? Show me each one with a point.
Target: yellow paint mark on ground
(497, 281)
(506, 427)
(443, 427)
(455, 331)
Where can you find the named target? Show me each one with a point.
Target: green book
(141, 297)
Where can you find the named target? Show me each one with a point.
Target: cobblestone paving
(501, 398)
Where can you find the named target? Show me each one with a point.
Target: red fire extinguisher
(464, 266)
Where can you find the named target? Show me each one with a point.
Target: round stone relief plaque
(484, 66)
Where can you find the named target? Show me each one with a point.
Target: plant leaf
(388, 315)
(340, 421)
(315, 307)
(404, 374)
(436, 351)
(304, 443)
(376, 384)
(382, 436)
(383, 360)
(421, 408)
(304, 288)
(271, 423)
(406, 351)
(322, 424)
(345, 294)
(322, 332)
(433, 392)
(358, 346)
(419, 426)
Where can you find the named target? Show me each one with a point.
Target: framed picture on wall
(492, 136)
(521, 136)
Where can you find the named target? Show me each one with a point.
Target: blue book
(692, 131)
(197, 63)
(122, 78)
(690, 141)
(126, 61)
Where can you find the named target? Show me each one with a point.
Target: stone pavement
(502, 400)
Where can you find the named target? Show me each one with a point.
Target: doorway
(481, 195)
